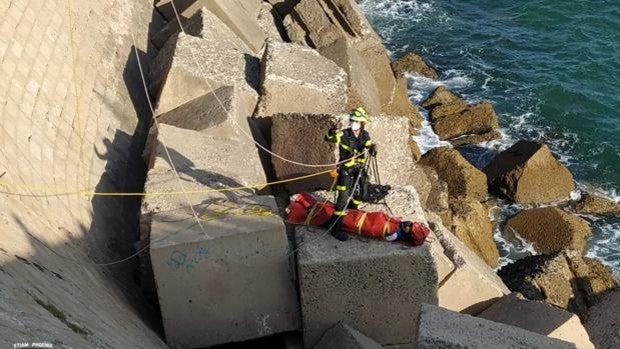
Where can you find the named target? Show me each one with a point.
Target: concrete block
(441, 328)
(602, 323)
(205, 159)
(239, 15)
(377, 286)
(296, 79)
(362, 88)
(378, 63)
(271, 23)
(188, 67)
(394, 157)
(472, 286)
(539, 317)
(291, 135)
(343, 336)
(227, 265)
(389, 133)
(319, 22)
(223, 111)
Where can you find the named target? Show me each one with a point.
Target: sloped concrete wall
(52, 143)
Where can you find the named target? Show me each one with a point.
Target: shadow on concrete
(114, 231)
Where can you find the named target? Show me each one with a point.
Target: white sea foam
(420, 87)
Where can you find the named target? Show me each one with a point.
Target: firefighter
(352, 143)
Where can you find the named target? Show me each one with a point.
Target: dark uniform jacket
(350, 146)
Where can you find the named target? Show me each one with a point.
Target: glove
(372, 150)
(334, 129)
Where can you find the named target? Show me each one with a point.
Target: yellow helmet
(358, 114)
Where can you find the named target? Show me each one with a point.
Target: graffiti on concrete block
(187, 259)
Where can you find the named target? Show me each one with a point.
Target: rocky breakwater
(529, 175)
(249, 76)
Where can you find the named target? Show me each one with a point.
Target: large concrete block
(225, 111)
(441, 328)
(296, 79)
(318, 21)
(377, 286)
(188, 67)
(239, 15)
(522, 174)
(462, 178)
(188, 8)
(271, 22)
(472, 285)
(603, 322)
(343, 336)
(362, 88)
(379, 64)
(300, 137)
(539, 317)
(394, 160)
(221, 256)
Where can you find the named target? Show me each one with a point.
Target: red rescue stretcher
(305, 209)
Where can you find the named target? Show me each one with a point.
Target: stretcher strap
(310, 214)
(386, 227)
(360, 223)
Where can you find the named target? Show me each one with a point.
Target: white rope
(176, 173)
(230, 116)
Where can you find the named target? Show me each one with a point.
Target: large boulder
(188, 66)
(603, 322)
(539, 317)
(446, 109)
(362, 87)
(456, 121)
(565, 279)
(442, 328)
(297, 79)
(441, 95)
(433, 191)
(597, 205)
(471, 224)
(551, 229)
(477, 118)
(462, 178)
(523, 172)
(412, 63)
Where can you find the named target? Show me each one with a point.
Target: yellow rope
(74, 79)
(168, 193)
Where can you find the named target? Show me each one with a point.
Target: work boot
(334, 223)
(340, 235)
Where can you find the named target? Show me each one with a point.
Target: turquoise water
(550, 68)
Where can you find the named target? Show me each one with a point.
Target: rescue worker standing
(352, 143)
